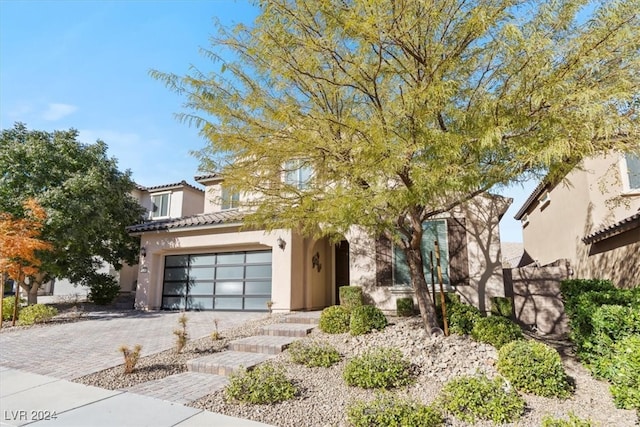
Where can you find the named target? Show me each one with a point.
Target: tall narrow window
(230, 200)
(160, 205)
(298, 174)
(633, 171)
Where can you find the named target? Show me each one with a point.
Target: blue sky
(85, 65)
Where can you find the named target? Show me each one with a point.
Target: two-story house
(591, 219)
(209, 261)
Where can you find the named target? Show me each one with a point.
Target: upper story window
(230, 200)
(160, 205)
(297, 174)
(633, 170)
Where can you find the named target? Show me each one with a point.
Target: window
(545, 199)
(160, 205)
(633, 170)
(433, 230)
(230, 200)
(297, 174)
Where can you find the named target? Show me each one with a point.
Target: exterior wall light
(281, 243)
(143, 252)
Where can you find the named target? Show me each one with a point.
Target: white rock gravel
(323, 395)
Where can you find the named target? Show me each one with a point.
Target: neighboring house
(208, 261)
(590, 219)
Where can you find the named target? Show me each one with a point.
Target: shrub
(495, 330)
(501, 306)
(130, 357)
(366, 318)
(264, 384)
(313, 354)
(36, 313)
(103, 289)
(7, 307)
(350, 296)
(404, 307)
(378, 368)
(462, 317)
(392, 411)
(573, 421)
(334, 320)
(624, 372)
(574, 287)
(479, 398)
(181, 334)
(534, 367)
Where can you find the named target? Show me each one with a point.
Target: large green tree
(86, 198)
(405, 109)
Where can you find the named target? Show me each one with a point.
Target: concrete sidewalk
(38, 400)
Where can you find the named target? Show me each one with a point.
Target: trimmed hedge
(335, 320)
(7, 307)
(379, 367)
(313, 354)
(392, 411)
(366, 318)
(263, 384)
(404, 307)
(350, 296)
(36, 313)
(496, 330)
(462, 317)
(501, 306)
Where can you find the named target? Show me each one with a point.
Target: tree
(405, 109)
(86, 197)
(20, 244)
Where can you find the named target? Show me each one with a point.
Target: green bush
(404, 307)
(462, 317)
(533, 367)
(264, 384)
(391, 411)
(501, 306)
(573, 421)
(366, 318)
(624, 372)
(36, 313)
(313, 354)
(103, 289)
(378, 368)
(574, 287)
(7, 307)
(350, 296)
(334, 320)
(495, 330)
(479, 398)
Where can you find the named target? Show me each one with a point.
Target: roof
(208, 219)
(531, 199)
(207, 177)
(176, 185)
(612, 230)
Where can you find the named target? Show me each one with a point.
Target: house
(590, 220)
(207, 261)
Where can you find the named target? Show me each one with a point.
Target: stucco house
(590, 220)
(207, 260)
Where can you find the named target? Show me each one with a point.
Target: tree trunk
(415, 261)
(32, 291)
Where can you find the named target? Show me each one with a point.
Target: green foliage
(313, 354)
(36, 313)
(533, 367)
(501, 306)
(462, 317)
(478, 398)
(573, 421)
(7, 307)
(404, 307)
(391, 411)
(86, 197)
(570, 289)
(264, 384)
(350, 297)
(366, 318)
(622, 368)
(378, 368)
(495, 330)
(103, 289)
(131, 357)
(334, 320)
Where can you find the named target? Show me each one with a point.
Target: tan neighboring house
(207, 261)
(590, 219)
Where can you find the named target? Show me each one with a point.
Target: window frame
(229, 200)
(627, 172)
(293, 174)
(153, 204)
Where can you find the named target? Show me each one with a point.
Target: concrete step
(181, 388)
(226, 362)
(307, 317)
(266, 344)
(287, 329)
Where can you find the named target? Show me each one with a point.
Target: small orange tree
(19, 243)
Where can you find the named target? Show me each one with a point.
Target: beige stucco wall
(192, 202)
(591, 197)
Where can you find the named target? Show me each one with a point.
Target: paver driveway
(71, 350)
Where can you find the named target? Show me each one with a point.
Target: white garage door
(217, 281)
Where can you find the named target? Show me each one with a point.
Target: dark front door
(342, 267)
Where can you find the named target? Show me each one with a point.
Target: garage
(217, 281)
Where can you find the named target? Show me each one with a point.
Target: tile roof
(619, 227)
(182, 183)
(532, 198)
(213, 218)
(206, 177)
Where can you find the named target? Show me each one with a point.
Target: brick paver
(226, 362)
(266, 344)
(288, 329)
(181, 388)
(71, 350)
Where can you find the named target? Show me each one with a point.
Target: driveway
(72, 350)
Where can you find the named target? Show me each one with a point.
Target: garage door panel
(201, 288)
(255, 303)
(201, 303)
(229, 288)
(228, 303)
(258, 271)
(201, 273)
(257, 288)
